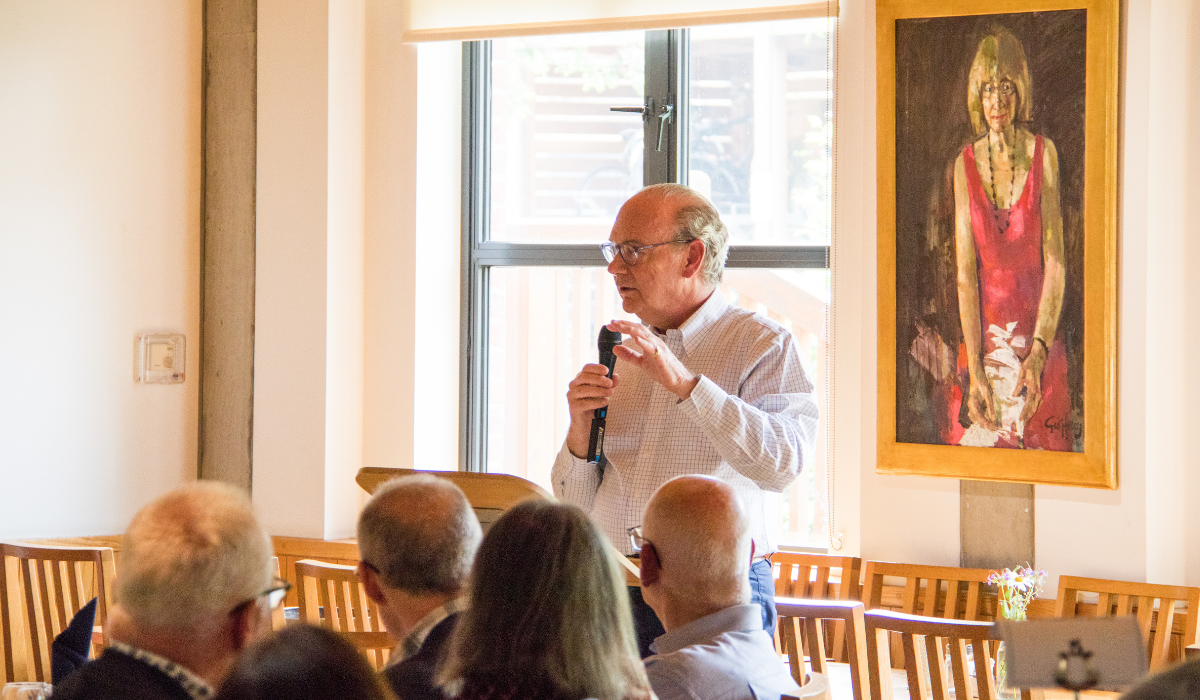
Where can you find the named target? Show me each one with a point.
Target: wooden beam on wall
(229, 124)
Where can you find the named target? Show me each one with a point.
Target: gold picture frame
(925, 131)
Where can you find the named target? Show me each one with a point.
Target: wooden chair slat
(59, 596)
(937, 668)
(917, 688)
(933, 586)
(1160, 648)
(984, 680)
(814, 645)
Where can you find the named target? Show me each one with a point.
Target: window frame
(667, 61)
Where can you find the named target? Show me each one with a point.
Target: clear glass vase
(1003, 692)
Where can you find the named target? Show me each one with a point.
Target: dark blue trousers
(762, 591)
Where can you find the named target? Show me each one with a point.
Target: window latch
(664, 117)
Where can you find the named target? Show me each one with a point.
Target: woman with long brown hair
(548, 615)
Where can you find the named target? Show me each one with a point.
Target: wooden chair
(801, 635)
(54, 583)
(1140, 599)
(935, 632)
(932, 591)
(335, 591)
(803, 575)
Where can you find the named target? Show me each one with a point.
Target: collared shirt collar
(738, 618)
(193, 685)
(416, 638)
(693, 330)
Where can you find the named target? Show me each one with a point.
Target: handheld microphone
(607, 341)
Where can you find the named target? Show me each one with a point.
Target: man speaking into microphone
(700, 387)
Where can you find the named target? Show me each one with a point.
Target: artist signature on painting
(1064, 427)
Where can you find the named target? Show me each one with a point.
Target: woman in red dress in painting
(1011, 277)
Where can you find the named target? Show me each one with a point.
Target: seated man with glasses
(700, 386)
(195, 585)
(417, 537)
(695, 550)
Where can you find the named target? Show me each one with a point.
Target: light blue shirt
(723, 656)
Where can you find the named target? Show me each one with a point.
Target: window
(547, 165)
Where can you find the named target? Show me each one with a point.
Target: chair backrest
(923, 594)
(1140, 599)
(801, 634)
(817, 576)
(51, 585)
(332, 596)
(922, 639)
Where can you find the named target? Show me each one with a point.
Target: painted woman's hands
(1030, 379)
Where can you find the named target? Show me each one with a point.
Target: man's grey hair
(192, 556)
(697, 218)
(420, 533)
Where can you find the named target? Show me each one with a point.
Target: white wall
(1147, 528)
(414, 97)
(99, 241)
(309, 277)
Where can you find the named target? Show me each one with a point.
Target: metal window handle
(663, 118)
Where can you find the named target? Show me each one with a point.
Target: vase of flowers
(1016, 589)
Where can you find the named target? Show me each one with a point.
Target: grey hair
(191, 556)
(697, 219)
(420, 533)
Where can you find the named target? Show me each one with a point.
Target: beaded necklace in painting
(1011, 187)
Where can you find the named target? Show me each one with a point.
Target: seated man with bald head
(695, 552)
(417, 538)
(194, 587)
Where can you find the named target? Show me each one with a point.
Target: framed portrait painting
(997, 186)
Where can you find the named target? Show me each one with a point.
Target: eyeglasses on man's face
(636, 541)
(274, 595)
(629, 252)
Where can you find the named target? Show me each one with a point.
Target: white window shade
(465, 20)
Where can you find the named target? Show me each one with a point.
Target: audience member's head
(195, 569)
(303, 662)
(417, 538)
(696, 553)
(549, 612)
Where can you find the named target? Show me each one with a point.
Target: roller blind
(466, 20)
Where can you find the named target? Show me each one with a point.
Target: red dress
(1009, 266)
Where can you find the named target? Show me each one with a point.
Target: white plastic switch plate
(160, 358)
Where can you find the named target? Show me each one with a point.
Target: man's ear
(247, 623)
(649, 568)
(695, 257)
(370, 583)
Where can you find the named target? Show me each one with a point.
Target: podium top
(493, 491)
